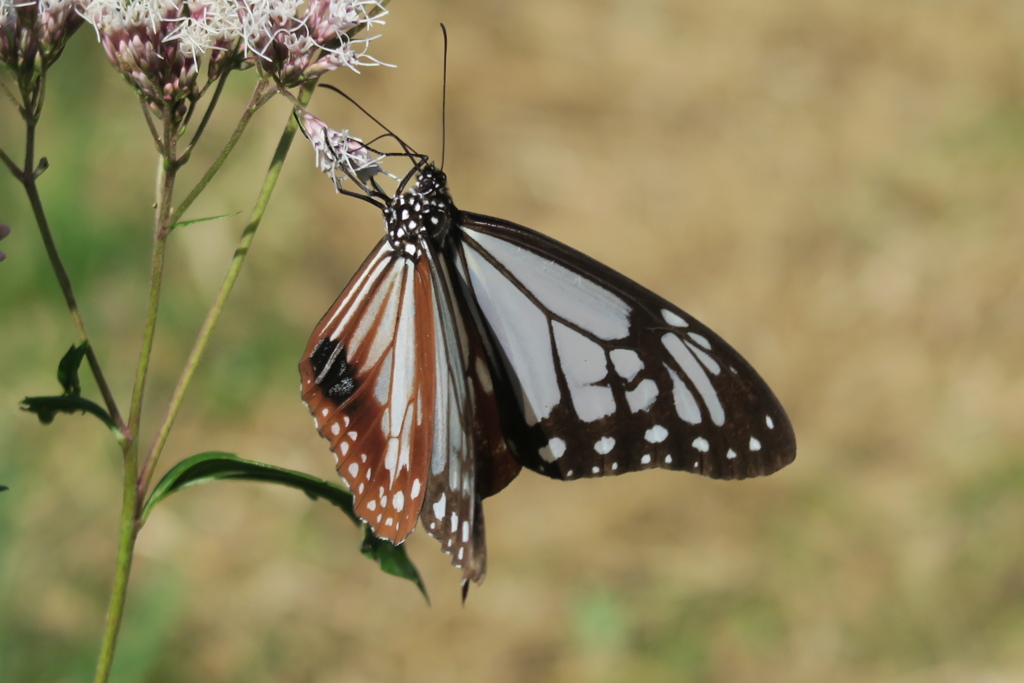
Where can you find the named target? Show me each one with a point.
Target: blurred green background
(835, 186)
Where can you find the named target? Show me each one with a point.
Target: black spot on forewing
(331, 370)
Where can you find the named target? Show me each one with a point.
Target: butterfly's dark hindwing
(608, 376)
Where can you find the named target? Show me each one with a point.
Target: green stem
(125, 550)
(210, 106)
(205, 332)
(130, 508)
(166, 174)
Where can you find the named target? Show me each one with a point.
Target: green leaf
(204, 468)
(392, 559)
(67, 369)
(47, 407)
(4, 488)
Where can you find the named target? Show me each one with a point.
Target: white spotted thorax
(424, 212)
(467, 347)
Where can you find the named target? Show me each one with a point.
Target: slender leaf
(204, 468)
(182, 224)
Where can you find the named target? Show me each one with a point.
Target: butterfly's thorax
(425, 212)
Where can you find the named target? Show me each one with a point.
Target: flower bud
(33, 33)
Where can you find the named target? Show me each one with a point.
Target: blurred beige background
(836, 187)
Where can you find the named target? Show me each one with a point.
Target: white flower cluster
(211, 25)
(293, 40)
(301, 39)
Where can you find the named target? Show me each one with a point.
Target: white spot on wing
(438, 507)
(700, 339)
(673, 319)
(627, 363)
(768, 421)
(646, 459)
(731, 455)
(583, 362)
(483, 375)
(465, 532)
(656, 434)
(371, 506)
(604, 445)
(683, 398)
(668, 459)
(415, 492)
(643, 396)
(391, 458)
(755, 445)
(701, 444)
(398, 501)
(553, 451)
(335, 428)
(353, 469)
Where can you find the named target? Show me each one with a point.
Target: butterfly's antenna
(444, 97)
(406, 149)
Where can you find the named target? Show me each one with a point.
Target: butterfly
(467, 347)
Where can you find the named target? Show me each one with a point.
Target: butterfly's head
(432, 182)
